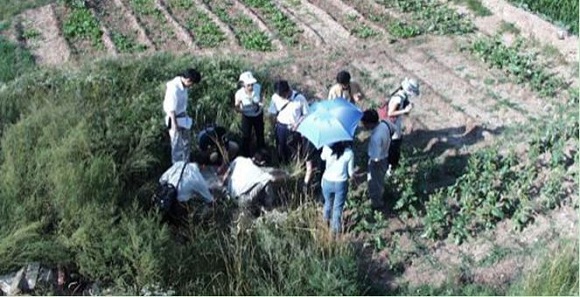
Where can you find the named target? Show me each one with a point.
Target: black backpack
(165, 195)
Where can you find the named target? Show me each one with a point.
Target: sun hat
(247, 78)
(411, 86)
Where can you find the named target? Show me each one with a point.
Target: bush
(14, 60)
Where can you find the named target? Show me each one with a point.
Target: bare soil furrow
(352, 15)
(308, 32)
(333, 33)
(259, 22)
(108, 41)
(142, 36)
(156, 25)
(226, 29)
(517, 102)
(49, 47)
(458, 93)
(434, 107)
(183, 34)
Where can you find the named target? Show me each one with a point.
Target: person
(288, 108)
(249, 183)
(215, 146)
(378, 152)
(248, 101)
(176, 119)
(339, 160)
(345, 88)
(399, 105)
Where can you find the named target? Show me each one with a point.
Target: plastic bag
(192, 182)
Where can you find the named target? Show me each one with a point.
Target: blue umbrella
(330, 122)
(347, 113)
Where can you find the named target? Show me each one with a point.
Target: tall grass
(80, 152)
(564, 11)
(14, 60)
(556, 274)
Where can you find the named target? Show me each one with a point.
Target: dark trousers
(257, 125)
(395, 152)
(284, 146)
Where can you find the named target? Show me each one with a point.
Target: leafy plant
(427, 16)
(476, 7)
(284, 27)
(516, 62)
(81, 23)
(364, 32)
(403, 30)
(126, 44)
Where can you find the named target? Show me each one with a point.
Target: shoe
(390, 171)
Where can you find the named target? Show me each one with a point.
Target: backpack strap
(181, 174)
(390, 127)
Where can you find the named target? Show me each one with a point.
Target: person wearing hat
(248, 101)
(176, 119)
(399, 105)
(345, 88)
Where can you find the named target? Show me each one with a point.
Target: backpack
(383, 109)
(165, 195)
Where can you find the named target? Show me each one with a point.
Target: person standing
(288, 107)
(345, 88)
(398, 106)
(339, 160)
(378, 152)
(176, 119)
(248, 101)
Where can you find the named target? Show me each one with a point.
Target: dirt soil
(464, 105)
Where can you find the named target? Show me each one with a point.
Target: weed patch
(475, 6)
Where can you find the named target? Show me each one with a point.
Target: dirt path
(182, 34)
(231, 37)
(135, 25)
(256, 18)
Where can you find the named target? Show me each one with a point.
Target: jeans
(334, 198)
(376, 179)
(395, 152)
(257, 125)
(180, 145)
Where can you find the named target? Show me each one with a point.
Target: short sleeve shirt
(175, 97)
(250, 103)
(337, 91)
(290, 114)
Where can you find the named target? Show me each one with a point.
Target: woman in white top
(248, 101)
(339, 168)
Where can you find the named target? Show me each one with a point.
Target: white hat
(247, 78)
(411, 86)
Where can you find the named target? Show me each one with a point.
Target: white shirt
(379, 143)
(244, 175)
(175, 98)
(297, 108)
(250, 103)
(337, 170)
(397, 99)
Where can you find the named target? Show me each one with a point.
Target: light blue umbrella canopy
(330, 121)
(347, 113)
